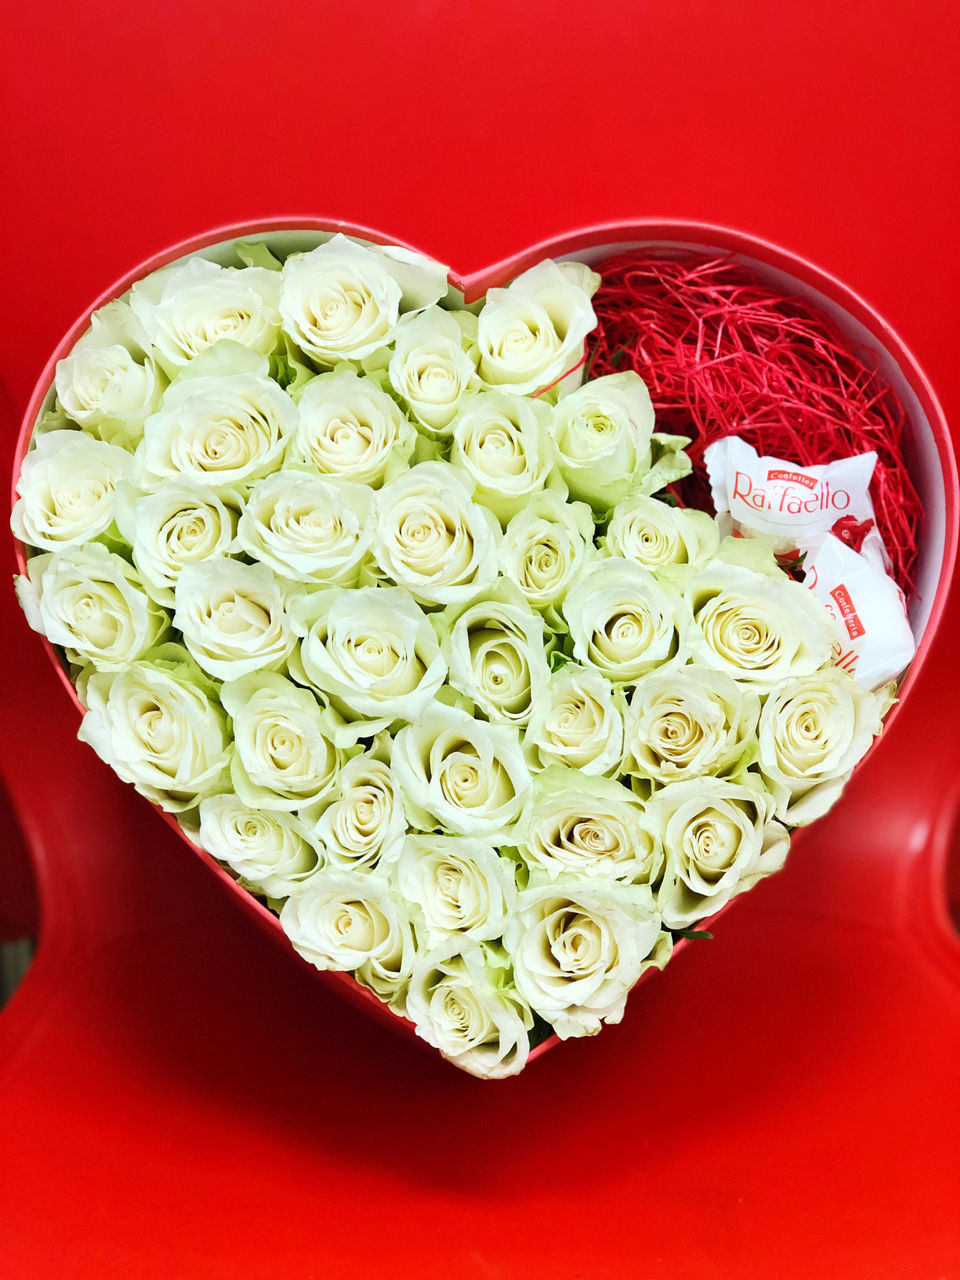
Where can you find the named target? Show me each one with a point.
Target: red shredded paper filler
(723, 354)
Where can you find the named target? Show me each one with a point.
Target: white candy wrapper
(874, 640)
(787, 505)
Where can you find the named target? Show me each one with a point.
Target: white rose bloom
(460, 885)
(106, 383)
(157, 724)
(758, 627)
(307, 528)
(576, 722)
(813, 730)
(67, 487)
(92, 603)
(462, 1000)
(579, 948)
(373, 651)
(622, 622)
(719, 838)
(654, 534)
(690, 721)
(422, 280)
(431, 538)
(271, 853)
(429, 368)
(352, 922)
(351, 430)
(495, 650)
(545, 547)
(364, 828)
(232, 616)
(533, 331)
(285, 756)
(466, 776)
(603, 432)
(339, 301)
(582, 825)
(174, 525)
(223, 432)
(502, 441)
(186, 309)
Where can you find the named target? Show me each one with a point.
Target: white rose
(582, 825)
(495, 650)
(622, 623)
(185, 309)
(429, 368)
(603, 432)
(373, 651)
(576, 722)
(157, 724)
(223, 432)
(232, 616)
(67, 487)
(352, 922)
(690, 721)
(106, 383)
(719, 839)
(502, 442)
(352, 430)
(468, 777)
(92, 603)
(307, 528)
(653, 533)
(285, 757)
(270, 853)
(545, 547)
(579, 948)
(460, 885)
(533, 331)
(462, 1000)
(431, 538)
(364, 828)
(813, 730)
(172, 526)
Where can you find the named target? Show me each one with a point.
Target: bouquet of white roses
(371, 589)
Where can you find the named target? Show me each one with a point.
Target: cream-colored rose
(655, 534)
(579, 948)
(373, 651)
(158, 725)
(533, 331)
(468, 777)
(690, 721)
(352, 922)
(603, 432)
(92, 603)
(285, 757)
(429, 367)
(351, 430)
(496, 652)
(622, 622)
(813, 730)
(431, 538)
(720, 839)
(307, 528)
(460, 885)
(233, 617)
(365, 826)
(462, 1000)
(187, 308)
(544, 548)
(503, 443)
(270, 853)
(584, 826)
(67, 486)
(577, 721)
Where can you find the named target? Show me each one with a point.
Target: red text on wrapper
(783, 496)
(848, 612)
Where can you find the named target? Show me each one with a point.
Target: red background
(176, 1098)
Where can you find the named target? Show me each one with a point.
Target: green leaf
(692, 934)
(256, 254)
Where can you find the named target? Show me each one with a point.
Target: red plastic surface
(176, 1098)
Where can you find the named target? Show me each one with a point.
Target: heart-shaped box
(927, 445)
